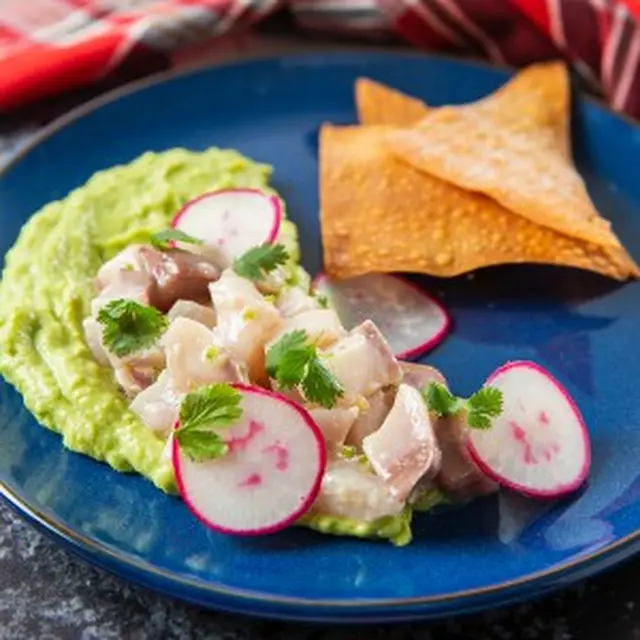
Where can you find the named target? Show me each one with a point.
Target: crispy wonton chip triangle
(382, 215)
(510, 146)
(378, 104)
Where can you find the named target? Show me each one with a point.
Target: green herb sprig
(294, 361)
(165, 239)
(202, 413)
(260, 260)
(481, 407)
(128, 326)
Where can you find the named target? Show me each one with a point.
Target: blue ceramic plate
(582, 327)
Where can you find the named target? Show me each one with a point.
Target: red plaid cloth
(50, 46)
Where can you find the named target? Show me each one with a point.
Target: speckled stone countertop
(48, 594)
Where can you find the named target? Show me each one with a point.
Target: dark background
(47, 594)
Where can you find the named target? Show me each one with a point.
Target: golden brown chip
(379, 104)
(381, 215)
(510, 146)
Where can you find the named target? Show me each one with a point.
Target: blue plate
(582, 327)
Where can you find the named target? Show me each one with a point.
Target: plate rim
(102, 555)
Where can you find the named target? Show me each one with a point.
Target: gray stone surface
(47, 594)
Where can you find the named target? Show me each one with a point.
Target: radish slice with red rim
(269, 478)
(410, 319)
(232, 220)
(539, 445)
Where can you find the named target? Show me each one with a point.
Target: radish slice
(232, 220)
(270, 476)
(409, 318)
(539, 445)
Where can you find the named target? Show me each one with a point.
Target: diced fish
(419, 375)
(93, 335)
(158, 405)
(127, 261)
(273, 282)
(404, 449)
(246, 321)
(459, 476)
(204, 314)
(363, 363)
(154, 277)
(350, 490)
(129, 285)
(321, 325)
(371, 418)
(193, 359)
(137, 371)
(177, 275)
(334, 423)
(294, 300)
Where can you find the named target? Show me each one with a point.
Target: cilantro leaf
(320, 385)
(165, 239)
(128, 326)
(480, 408)
(202, 412)
(440, 400)
(484, 405)
(256, 263)
(294, 361)
(201, 445)
(214, 405)
(284, 358)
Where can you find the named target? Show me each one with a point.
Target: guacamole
(48, 284)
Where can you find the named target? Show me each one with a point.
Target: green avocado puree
(48, 284)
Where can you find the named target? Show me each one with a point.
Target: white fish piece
(127, 261)
(93, 335)
(459, 476)
(273, 282)
(158, 405)
(334, 423)
(193, 358)
(350, 490)
(194, 311)
(321, 325)
(137, 371)
(129, 285)
(419, 375)
(404, 449)
(246, 321)
(363, 363)
(294, 300)
(370, 419)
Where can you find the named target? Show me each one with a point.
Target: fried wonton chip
(378, 104)
(513, 147)
(382, 215)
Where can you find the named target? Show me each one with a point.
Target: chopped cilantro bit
(202, 413)
(165, 239)
(481, 407)
(293, 360)
(256, 263)
(128, 326)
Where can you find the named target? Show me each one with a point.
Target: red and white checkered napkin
(50, 46)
